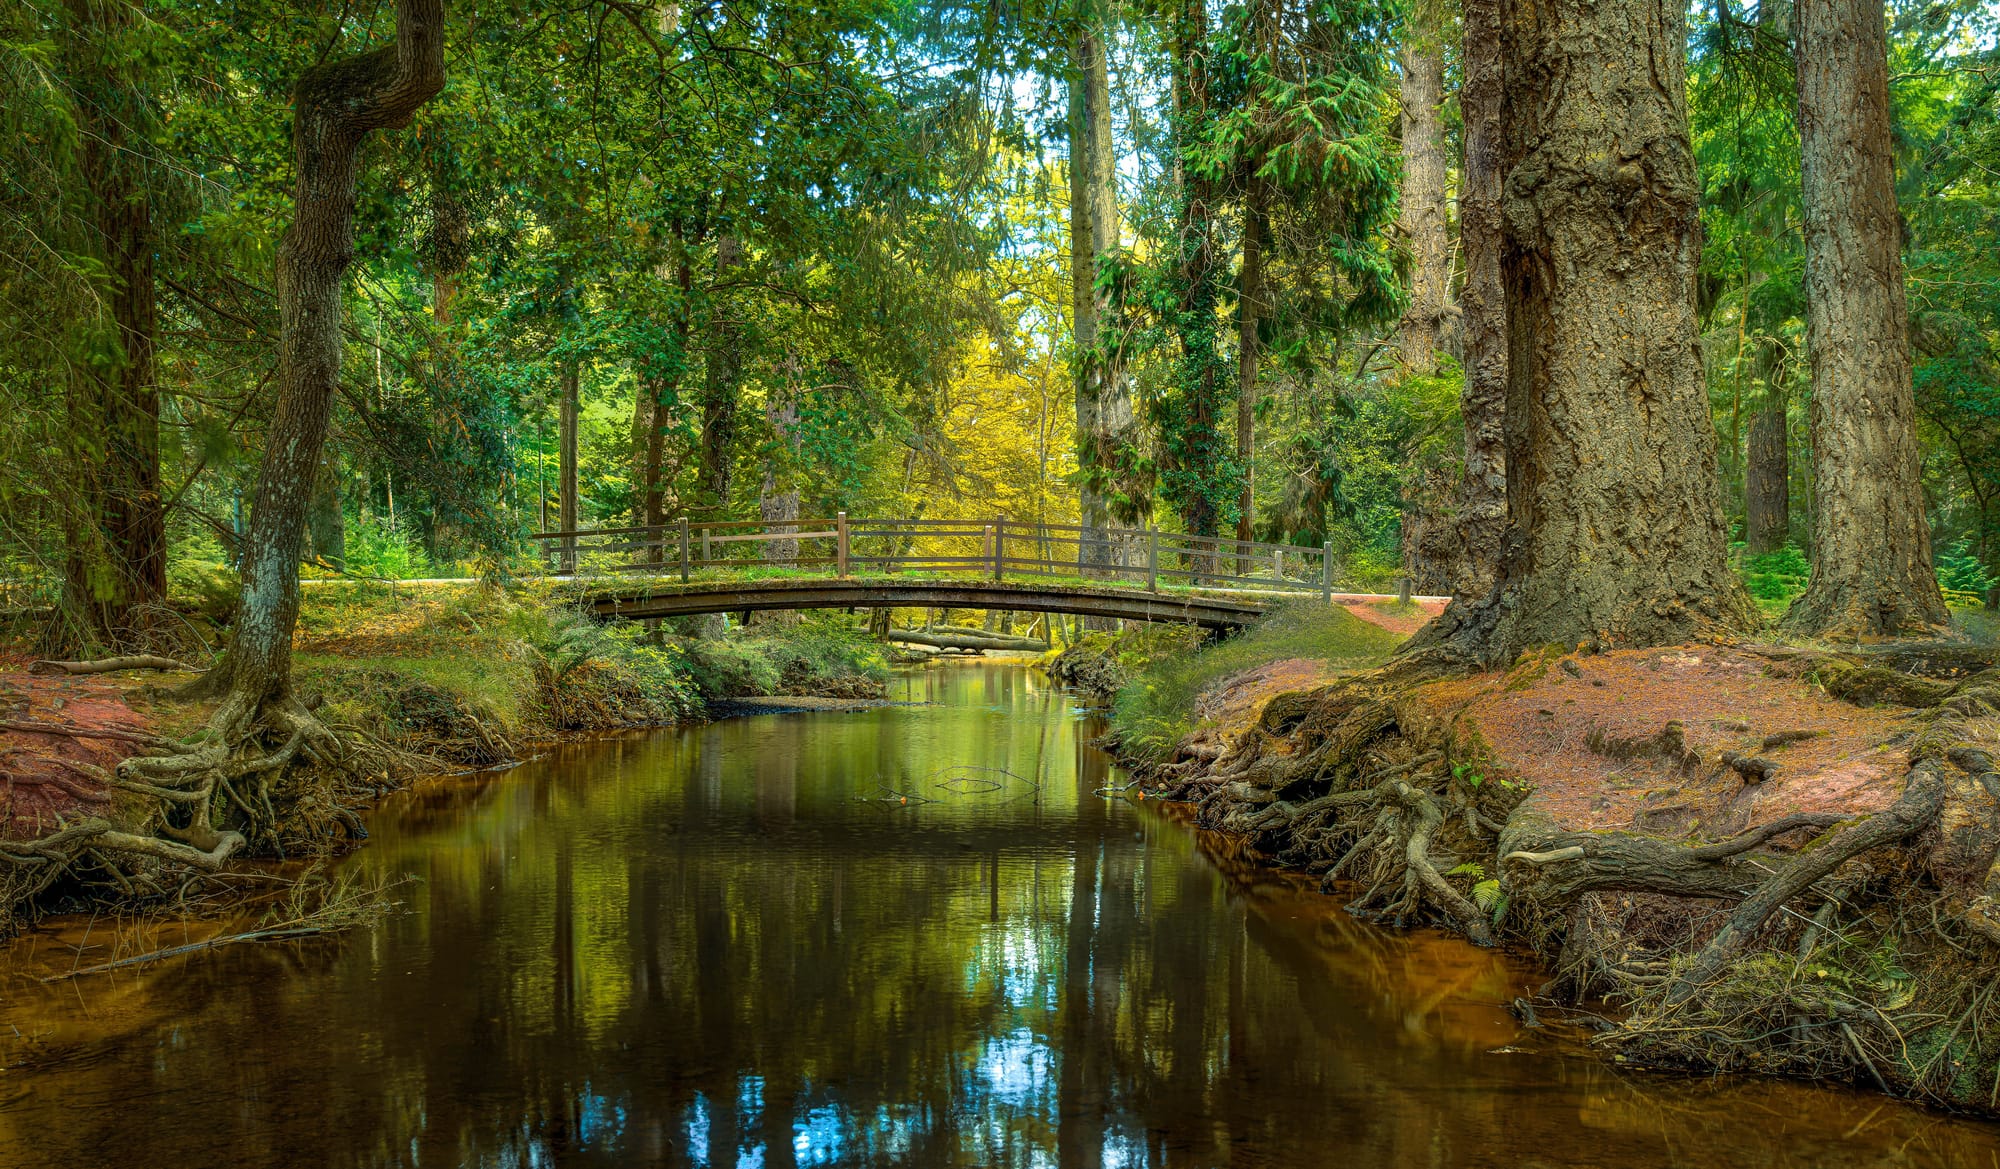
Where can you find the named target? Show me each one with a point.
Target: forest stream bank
(1760, 858)
(418, 680)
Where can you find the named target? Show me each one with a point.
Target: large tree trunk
(1423, 203)
(118, 556)
(1618, 532)
(724, 377)
(1872, 571)
(1482, 511)
(335, 107)
(1767, 520)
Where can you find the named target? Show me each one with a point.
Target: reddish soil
(1391, 616)
(39, 779)
(1584, 732)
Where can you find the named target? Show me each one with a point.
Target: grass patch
(1156, 709)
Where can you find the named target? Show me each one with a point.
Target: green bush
(1156, 709)
(384, 549)
(1776, 576)
(1960, 574)
(815, 657)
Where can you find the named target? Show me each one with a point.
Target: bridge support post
(1152, 560)
(684, 549)
(999, 532)
(707, 557)
(840, 542)
(1326, 572)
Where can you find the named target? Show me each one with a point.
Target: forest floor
(1631, 817)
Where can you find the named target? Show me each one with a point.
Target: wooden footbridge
(734, 566)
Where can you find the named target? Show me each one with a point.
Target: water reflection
(739, 946)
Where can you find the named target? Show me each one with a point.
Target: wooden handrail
(992, 548)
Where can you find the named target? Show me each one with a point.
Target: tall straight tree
(1103, 394)
(1872, 571)
(1198, 476)
(1482, 402)
(1618, 537)
(1422, 222)
(117, 556)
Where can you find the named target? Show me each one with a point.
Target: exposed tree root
(263, 778)
(1864, 947)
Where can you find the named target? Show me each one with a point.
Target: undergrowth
(1156, 709)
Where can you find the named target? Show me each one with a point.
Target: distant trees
(1871, 565)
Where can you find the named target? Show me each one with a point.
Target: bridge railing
(995, 549)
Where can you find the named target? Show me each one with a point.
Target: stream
(907, 936)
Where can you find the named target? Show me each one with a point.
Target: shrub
(1962, 576)
(1776, 576)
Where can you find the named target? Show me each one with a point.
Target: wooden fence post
(1403, 590)
(707, 557)
(1326, 572)
(1152, 560)
(1278, 566)
(684, 549)
(999, 547)
(840, 541)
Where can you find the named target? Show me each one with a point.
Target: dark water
(705, 948)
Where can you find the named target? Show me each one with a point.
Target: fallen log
(107, 665)
(967, 639)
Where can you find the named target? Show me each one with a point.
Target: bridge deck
(735, 596)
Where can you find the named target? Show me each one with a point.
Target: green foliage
(1776, 576)
(1157, 709)
(384, 549)
(1962, 575)
(813, 658)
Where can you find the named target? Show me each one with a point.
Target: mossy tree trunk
(117, 559)
(336, 106)
(724, 376)
(1872, 571)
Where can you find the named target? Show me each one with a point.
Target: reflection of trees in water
(681, 949)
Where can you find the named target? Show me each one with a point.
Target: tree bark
(1483, 399)
(566, 458)
(335, 107)
(1423, 203)
(1249, 310)
(1615, 504)
(1767, 521)
(1103, 398)
(724, 378)
(120, 563)
(1872, 572)
(664, 391)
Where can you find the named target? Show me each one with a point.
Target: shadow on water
(910, 936)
